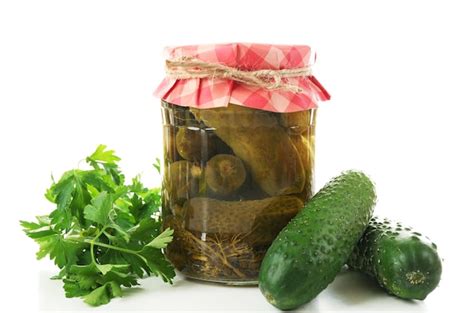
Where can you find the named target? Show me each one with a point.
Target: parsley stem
(100, 244)
(136, 253)
(104, 245)
(92, 243)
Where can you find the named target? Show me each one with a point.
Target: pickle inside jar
(194, 144)
(225, 174)
(265, 147)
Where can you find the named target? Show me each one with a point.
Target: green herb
(103, 234)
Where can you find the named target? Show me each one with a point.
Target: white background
(74, 74)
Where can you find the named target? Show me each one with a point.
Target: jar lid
(268, 77)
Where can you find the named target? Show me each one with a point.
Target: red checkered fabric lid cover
(215, 92)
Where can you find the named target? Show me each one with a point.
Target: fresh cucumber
(403, 262)
(309, 252)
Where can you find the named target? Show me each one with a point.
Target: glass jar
(238, 160)
(233, 178)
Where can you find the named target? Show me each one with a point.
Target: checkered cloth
(206, 93)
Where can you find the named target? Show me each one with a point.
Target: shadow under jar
(234, 174)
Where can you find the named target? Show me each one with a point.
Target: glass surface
(233, 178)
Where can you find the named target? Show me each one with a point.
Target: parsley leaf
(100, 209)
(71, 194)
(103, 294)
(103, 234)
(107, 160)
(162, 240)
(157, 165)
(63, 252)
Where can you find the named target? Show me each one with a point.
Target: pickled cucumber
(181, 179)
(304, 143)
(225, 174)
(258, 139)
(267, 216)
(194, 144)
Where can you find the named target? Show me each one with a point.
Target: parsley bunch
(103, 234)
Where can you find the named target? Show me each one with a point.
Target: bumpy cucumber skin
(404, 262)
(309, 252)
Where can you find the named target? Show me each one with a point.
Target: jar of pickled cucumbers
(238, 161)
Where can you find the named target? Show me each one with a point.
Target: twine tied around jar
(187, 67)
